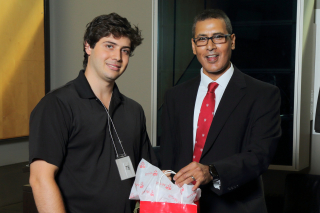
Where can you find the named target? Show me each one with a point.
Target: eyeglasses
(217, 39)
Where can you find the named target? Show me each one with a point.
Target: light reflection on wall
(21, 64)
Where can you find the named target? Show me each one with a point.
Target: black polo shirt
(69, 129)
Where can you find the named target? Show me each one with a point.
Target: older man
(221, 129)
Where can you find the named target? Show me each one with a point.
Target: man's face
(109, 58)
(214, 58)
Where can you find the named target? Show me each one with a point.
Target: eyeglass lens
(217, 39)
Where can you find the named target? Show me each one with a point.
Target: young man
(78, 131)
(220, 130)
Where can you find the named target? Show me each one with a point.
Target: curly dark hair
(106, 25)
(212, 13)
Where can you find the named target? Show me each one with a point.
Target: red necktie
(204, 121)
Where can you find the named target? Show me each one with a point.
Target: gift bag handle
(164, 173)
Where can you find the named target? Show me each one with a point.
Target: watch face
(210, 170)
(213, 172)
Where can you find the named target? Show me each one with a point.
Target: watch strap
(213, 172)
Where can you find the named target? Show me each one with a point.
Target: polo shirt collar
(116, 99)
(83, 87)
(84, 90)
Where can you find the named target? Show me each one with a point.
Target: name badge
(125, 168)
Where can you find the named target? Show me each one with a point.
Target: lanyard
(114, 145)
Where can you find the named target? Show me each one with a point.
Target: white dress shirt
(223, 81)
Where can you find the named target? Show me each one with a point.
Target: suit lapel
(234, 92)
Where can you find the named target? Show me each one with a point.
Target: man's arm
(263, 134)
(44, 187)
(240, 168)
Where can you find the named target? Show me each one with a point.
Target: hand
(199, 171)
(168, 174)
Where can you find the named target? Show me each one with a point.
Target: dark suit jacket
(241, 141)
(317, 118)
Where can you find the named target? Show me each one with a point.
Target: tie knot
(212, 87)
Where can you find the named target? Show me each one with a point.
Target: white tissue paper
(151, 184)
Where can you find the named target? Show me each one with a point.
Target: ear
(233, 41)
(87, 48)
(193, 47)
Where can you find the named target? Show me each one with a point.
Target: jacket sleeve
(262, 136)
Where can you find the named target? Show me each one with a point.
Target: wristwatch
(213, 172)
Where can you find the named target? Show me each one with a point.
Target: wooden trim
(47, 44)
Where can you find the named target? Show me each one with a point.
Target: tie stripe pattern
(204, 121)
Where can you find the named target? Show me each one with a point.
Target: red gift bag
(163, 207)
(142, 189)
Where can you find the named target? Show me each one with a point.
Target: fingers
(198, 183)
(185, 179)
(184, 176)
(196, 170)
(184, 170)
(167, 174)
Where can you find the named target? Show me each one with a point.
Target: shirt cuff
(217, 184)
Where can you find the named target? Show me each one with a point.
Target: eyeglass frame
(211, 38)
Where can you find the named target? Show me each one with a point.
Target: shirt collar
(223, 80)
(84, 90)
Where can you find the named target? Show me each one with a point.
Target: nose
(211, 45)
(116, 55)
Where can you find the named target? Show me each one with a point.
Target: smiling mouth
(212, 58)
(114, 67)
